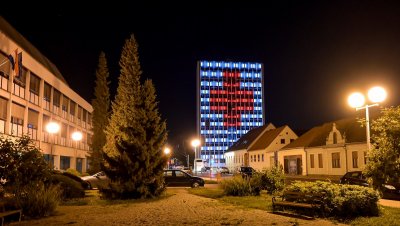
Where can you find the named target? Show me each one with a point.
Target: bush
(238, 186)
(37, 200)
(73, 172)
(342, 200)
(70, 188)
(271, 180)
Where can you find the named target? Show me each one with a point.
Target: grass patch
(388, 216)
(263, 202)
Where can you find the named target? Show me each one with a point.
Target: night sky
(314, 52)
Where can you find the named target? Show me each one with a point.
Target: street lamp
(76, 136)
(195, 144)
(357, 100)
(167, 151)
(52, 128)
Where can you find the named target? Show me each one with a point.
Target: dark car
(246, 171)
(389, 190)
(179, 178)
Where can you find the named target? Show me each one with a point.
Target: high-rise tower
(230, 102)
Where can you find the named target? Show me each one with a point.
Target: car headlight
(388, 186)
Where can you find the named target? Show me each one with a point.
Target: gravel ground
(181, 208)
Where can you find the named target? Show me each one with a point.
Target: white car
(96, 180)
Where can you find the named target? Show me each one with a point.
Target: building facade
(33, 93)
(230, 102)
(259, 147)
(333, 148)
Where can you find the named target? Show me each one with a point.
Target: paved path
(390, 203)
(181, 208)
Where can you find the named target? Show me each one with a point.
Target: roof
(266, 138)
(350, 127)
(246, 140)
(13, 34)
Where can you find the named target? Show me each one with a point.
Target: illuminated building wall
(229, 104)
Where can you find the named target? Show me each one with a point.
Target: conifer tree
(133, 158)
(101, 113)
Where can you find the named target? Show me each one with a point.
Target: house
(258, 148)
(333, 148)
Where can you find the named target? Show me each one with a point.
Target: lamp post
(357, 100)
(76, 136)
(195, 144)
(167, 151)
(52, 128)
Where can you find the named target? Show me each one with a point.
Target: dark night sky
(314, 52)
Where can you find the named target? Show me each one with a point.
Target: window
(258, 157)
(320, 162)
(262, 157)
(312, 161)
(56, 101)
(282, 141)
(79, 164)
(34, 88)
(3, 114)
(33, 118)
(336, 160)
(47, 96)
(4, 71)
(17, 119)
(64, 128)
(355, 159)
(19, 84)
(64, 162)
(64, 107)
(335, 138)
(72, 106)
(46, 119)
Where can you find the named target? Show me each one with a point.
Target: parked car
(224, 170)
(389, 190)
(179, 178)
(246, 171)
(96, 180)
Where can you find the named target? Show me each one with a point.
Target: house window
(336, 160)
(258, 157)
(320, 162)
(17, 119)
(5, 70)
(312, 161)
(282, 141)
(64, 107)
(262, 157)
(334, 138)
(46, 119)
(64, 162)
(56, 101)
(355, 159)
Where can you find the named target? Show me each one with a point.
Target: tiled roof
(13, 34)
(350, 127)
(266, 138)
(246, 140)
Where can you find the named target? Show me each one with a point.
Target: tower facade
(230, 102)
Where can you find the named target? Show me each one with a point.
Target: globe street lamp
(76, 136)
(167, 151)
(357, 100)
(195, 144)
(52, 128)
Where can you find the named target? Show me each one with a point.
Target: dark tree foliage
(135, 134)
(101, 113)
(383, 164)
(21, 163)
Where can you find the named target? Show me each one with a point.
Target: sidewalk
(390, 203)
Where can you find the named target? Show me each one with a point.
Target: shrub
(70, 188)
(73, 172)
(342, 200)
(238, 186)
(271, 180)
(37, 200)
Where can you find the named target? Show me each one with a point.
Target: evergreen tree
(133, 157)
(383, 164)
(101, 113)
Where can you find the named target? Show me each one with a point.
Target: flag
(11, 58)
(18, 64)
